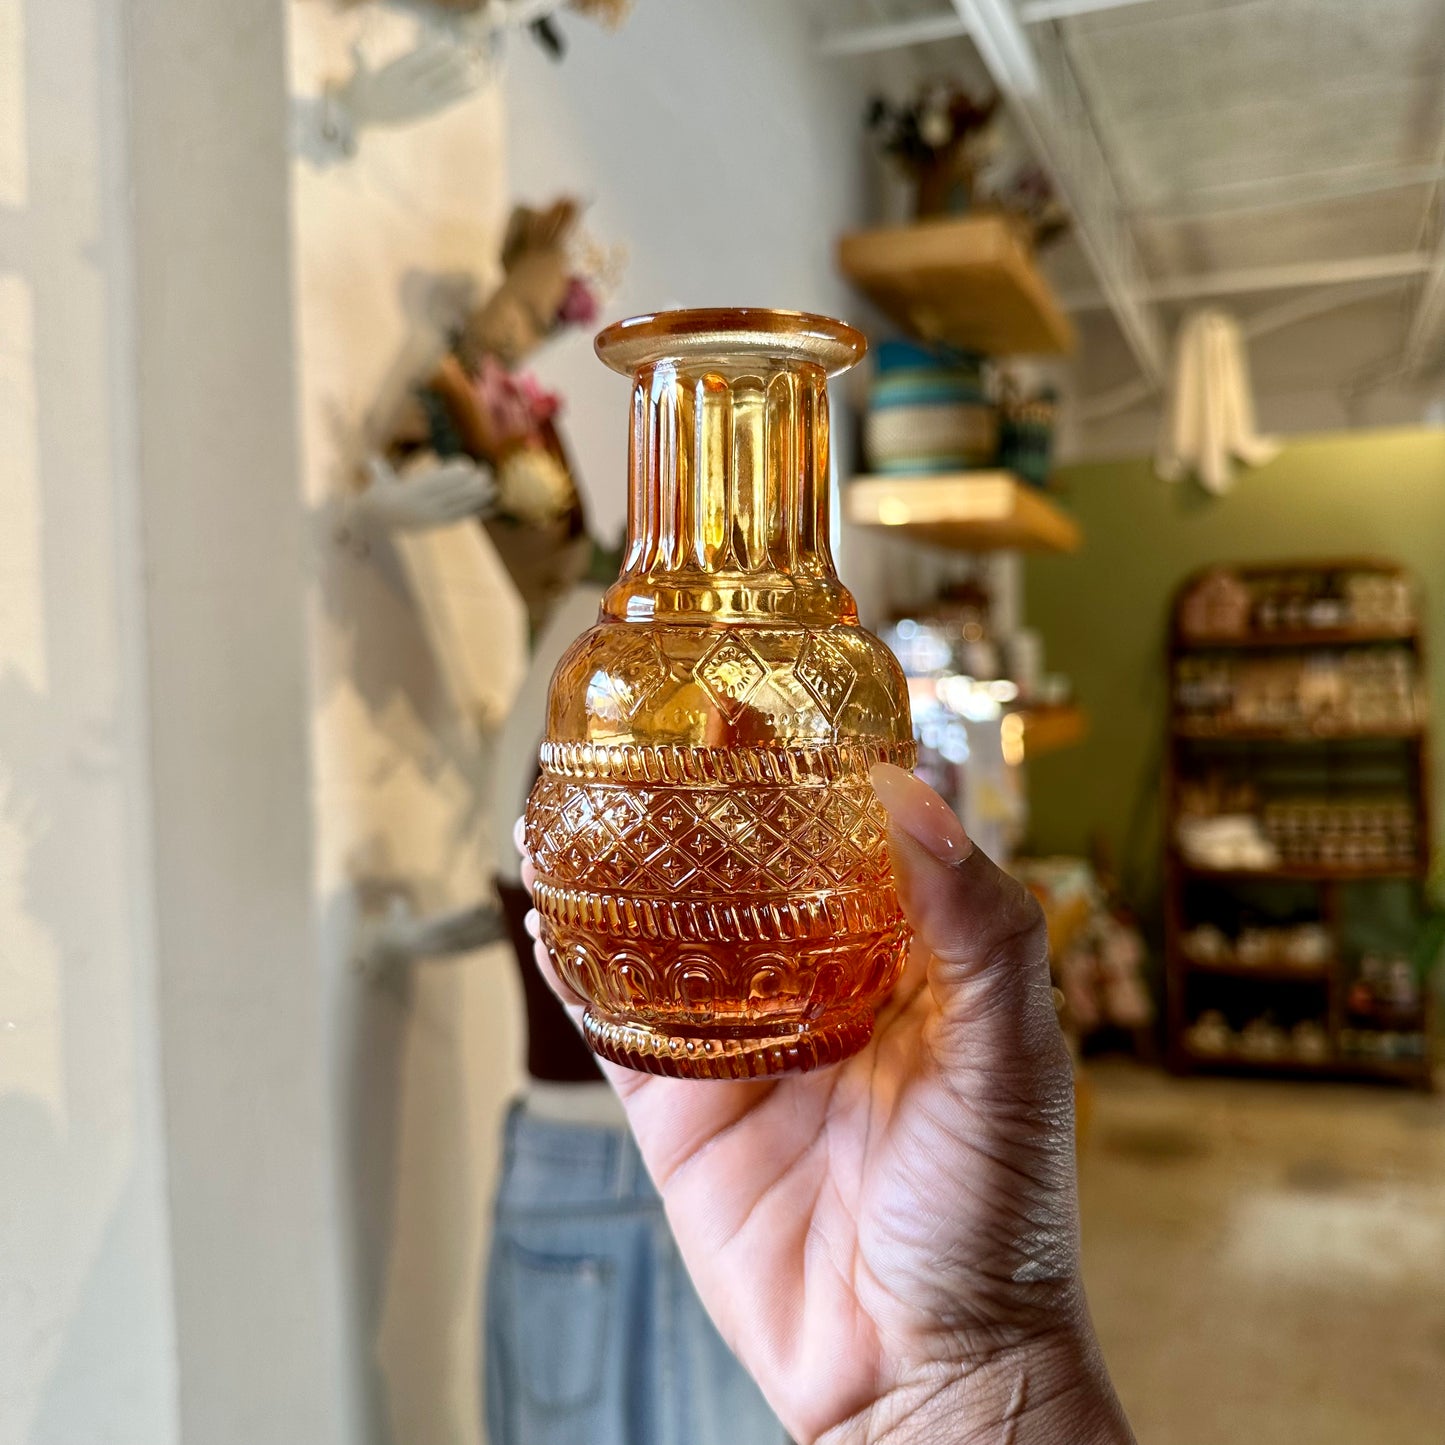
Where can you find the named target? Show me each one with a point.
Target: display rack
(1391, 755)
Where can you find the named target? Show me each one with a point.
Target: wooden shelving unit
(1238, 751)
(966, 511)
(969, 281)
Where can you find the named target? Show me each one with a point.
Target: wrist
(1050, 1391)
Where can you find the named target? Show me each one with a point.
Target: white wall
(385, 246)
(220, 734)
(169, 1266)
(87, 1334)
(716, 145)
(244, 1010)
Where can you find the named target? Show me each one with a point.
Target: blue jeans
(594, 1335)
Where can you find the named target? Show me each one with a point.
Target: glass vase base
(675, 1056)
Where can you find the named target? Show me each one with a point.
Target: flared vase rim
(729, 335)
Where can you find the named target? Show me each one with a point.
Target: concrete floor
(1266, 1260)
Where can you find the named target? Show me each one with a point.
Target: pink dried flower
(516, 403)
(579, 306)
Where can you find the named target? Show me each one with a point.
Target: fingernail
(914, 808)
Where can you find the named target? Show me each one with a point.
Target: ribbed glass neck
(729, 507)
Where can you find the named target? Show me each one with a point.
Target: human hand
(890, 1247)
(390, 940)
(433, 495)
(434, 74)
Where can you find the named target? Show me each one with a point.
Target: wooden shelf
(965, 511)
(1206, 731)
(1337, 1066)
(1027, 732)
(1310, 872)
(1264, 972)
(1316, 637)
(969, 281)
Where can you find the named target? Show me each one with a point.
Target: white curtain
(1209, 421)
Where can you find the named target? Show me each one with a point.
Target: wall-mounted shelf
(1264, 972)
(1206, 730)
(1315, 637)
(1028, 732)
(965, 511)
(1336, 1066)
(969, 281)
(1312, 872)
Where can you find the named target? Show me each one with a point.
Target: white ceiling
(1255, 149)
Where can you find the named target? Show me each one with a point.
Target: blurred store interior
(1143, 481)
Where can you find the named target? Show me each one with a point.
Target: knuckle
(1022, 931)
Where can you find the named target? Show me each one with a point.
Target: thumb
(989, 964)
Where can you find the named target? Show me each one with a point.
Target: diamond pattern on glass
(633, 675)
(577, 811)
(730, 673)
(730, 815)
(791, 867)
(643, 842)
(703, 844)
(786, 812)
(756, 843)
(843, 862)
(618, 811)
(612, 868)
(673, 816)
(671, 866)
(840, 813)
(827, 674)
(698, 841)
(814, 838)
(729, 870)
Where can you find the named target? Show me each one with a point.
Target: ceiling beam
(868, 39)
(1262, 323)
(924, 29)
(1424, 331)
(1276, 193)
(1033, 74)
(1035, 12)
(1244, 280)
(1423, 337)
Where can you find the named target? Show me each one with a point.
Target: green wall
(1103, 612)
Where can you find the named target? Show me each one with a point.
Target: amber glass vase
(712, 871)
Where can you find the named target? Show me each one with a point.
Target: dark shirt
(555, 1051)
